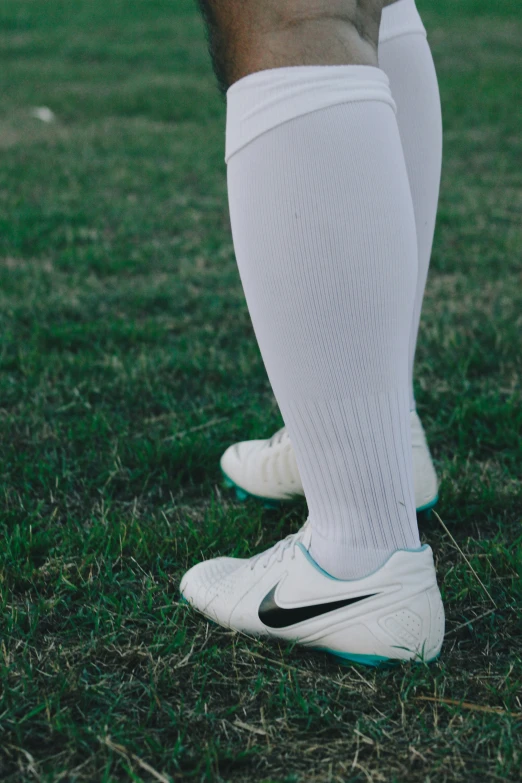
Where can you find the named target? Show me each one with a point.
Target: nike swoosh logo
(274, 616)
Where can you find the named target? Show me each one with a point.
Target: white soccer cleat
(395, 613)
(267, 469)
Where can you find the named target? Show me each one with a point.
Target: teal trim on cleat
(273, 504)
(374, 660)
(242, 494)
(312, 562)
(428, 506)
(426, 511)
(366, 660)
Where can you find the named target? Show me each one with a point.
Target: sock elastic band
(266, 99)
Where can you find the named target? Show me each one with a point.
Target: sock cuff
(263, 100)
(400, 18)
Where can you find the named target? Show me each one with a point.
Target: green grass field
(127, 365)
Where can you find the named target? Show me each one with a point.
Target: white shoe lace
(277, 437)
(280, 549)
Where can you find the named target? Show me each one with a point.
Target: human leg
(325, 239)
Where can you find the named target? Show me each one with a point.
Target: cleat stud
(241, 494)
(425, 515)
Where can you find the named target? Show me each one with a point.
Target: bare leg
(252, 35)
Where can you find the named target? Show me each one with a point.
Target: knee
(254, 35)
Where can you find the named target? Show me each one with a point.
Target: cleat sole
(374, 660)
(365, 660)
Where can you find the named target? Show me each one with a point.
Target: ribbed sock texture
(405, 56)
(324, 233)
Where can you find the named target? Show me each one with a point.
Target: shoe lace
(277, 437)
(279, 550)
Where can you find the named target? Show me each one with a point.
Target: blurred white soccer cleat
(267, 469)
(395, 613)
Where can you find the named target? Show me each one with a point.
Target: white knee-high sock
(324, 233)
(405, 56)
